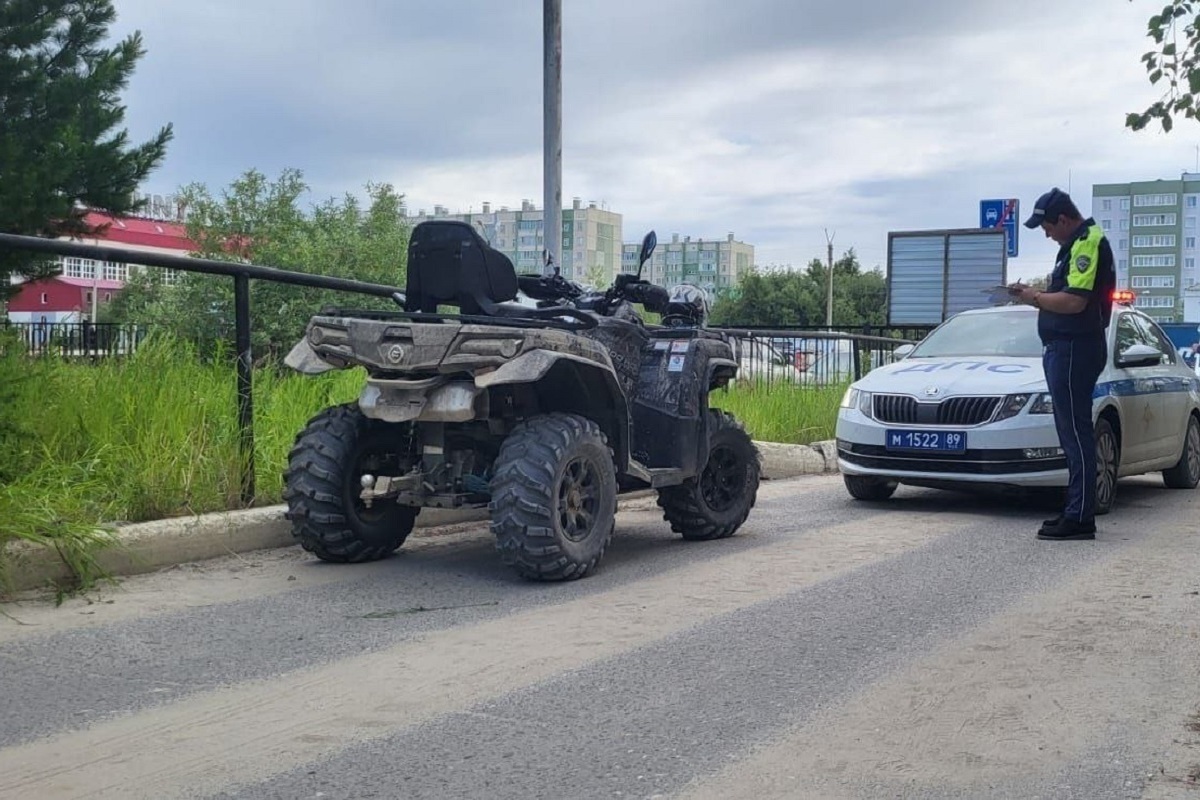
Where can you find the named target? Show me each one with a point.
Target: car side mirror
(903, 350)
(1139, 355)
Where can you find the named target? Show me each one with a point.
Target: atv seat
(449, 263)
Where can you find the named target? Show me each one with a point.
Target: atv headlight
(1044, 404)
(1011, 406)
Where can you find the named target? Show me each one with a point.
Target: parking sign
(1002, 214)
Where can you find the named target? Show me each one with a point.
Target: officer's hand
(1026, 294)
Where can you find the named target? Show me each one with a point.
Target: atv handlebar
(653, 298)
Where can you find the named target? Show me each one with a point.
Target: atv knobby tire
(716, 503)
(554, 497)
(322, 487)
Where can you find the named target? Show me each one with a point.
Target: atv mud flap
(669, 419)
(305, 360)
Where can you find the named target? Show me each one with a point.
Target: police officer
(1074, 312)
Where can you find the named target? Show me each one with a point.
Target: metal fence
(812, 356)
(242, 274)
(86, 340)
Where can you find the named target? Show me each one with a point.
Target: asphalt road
(926, 647)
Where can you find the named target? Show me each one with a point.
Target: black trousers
(1072, 367)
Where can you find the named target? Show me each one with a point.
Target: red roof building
(83, 285)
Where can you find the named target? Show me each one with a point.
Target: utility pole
(829, 282)
(552, 132)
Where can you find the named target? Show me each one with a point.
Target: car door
(1173, 386)
(1137, 393)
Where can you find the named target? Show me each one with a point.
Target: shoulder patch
(1082, 263)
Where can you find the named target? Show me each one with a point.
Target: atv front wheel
(715, 504)
(554, 497)
(322, 487)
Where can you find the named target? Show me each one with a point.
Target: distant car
(797, 360)
(968, 406)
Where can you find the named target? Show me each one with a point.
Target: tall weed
(780, 412)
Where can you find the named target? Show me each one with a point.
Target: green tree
(261, 222)
(61, 148)
(1173, 64)
(779, 296)
(597, 277)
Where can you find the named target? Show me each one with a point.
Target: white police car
(968, 406)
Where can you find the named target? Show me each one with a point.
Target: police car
(968, 406)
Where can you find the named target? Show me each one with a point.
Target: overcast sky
(771, 119)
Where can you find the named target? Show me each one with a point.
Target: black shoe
(1052, 523)
(1068, 529)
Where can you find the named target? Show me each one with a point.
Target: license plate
(927, 441)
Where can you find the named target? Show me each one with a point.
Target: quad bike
(541, 410)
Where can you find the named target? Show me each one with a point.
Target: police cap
(1049, 206)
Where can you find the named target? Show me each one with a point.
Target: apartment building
(716, 265)
(1153, 229)
(591, 237)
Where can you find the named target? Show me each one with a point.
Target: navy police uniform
(1074, 350)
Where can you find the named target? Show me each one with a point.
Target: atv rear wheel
(554, 497)
(322, 488)
(716, 503)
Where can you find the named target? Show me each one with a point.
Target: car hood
(931, 378)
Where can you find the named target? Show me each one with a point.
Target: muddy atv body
(540, 413)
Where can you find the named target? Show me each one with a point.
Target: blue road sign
(1004, 214)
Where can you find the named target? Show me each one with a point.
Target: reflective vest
(1084, 267)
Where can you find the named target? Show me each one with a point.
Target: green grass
(155, 436)
(143, 438)
(781, 412)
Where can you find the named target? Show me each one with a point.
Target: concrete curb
(149, 546)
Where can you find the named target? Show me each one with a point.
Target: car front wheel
(866, 487)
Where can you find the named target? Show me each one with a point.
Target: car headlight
(1044, 404)
(1011, 406)
(864, 403)
(856, 398)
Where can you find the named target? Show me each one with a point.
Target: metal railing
(800, 355)
(88, 340)
(242, 274)
(816, 356)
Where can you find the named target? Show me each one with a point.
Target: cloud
(773, 119)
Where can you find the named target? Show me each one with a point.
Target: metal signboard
(933, 275)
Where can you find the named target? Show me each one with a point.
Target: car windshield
(995, 334)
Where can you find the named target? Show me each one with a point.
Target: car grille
(895, 408)
(905, 410)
